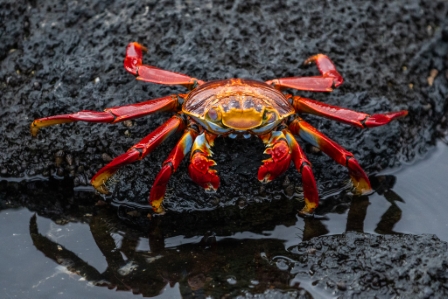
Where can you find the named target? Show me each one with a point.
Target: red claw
(326, 68)
(200, 163)
(280, 157)
(382, 119)
(134, 57)
(201, 173)
(133, 63)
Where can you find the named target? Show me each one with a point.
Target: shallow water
(44, 259)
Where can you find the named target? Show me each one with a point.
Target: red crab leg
(359, 119)
(168, 168)
(133, 63)
(200, 162)
(335, 151)
(330, 77)
(136, 152)
(302, 164)
(110, 115)
(277, 147)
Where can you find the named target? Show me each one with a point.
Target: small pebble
(69, 159)
(341, 286)
(58, 157)
(37, 85)
(432, 75)
(106, 157)
(127, 123)
(311, 250)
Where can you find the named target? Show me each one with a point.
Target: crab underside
(231, 108)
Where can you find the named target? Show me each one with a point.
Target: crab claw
(382, 119)
(326, 68)
(134, 57)
(201, 173)
(280, 158)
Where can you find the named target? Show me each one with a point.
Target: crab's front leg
(169, 166)
(280, 152)
(200, 163)
(310, 134)
(329, 77)
(133, 63)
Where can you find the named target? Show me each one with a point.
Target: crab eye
(214, 114)
(270, 117)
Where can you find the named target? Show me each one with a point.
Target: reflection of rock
(406, 266)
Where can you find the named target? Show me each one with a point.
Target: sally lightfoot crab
(231, 108)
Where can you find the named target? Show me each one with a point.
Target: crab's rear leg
(359, 178)
(280, 152)
(359, 119)
(302, 164)
(200, 163)
(133, 63)
(136, 152)
(329, 77)
(169, 166)
(110, 115)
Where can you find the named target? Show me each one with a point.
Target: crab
(232, 108)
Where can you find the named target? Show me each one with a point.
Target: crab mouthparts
(242, 120)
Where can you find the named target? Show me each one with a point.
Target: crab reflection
(202, 267)
(357, 211)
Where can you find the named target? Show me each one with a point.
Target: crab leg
(280, 152)
(169, 166)
(136, 152)
(359, 119)
(330, 77)
(359, 178)
(302, 164)
(200, 162)
(110, 115)
(133, 63)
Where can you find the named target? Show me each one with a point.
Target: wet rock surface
(61, 58)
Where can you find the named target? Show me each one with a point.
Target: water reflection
(227, 251)
(202, 269)
(202, 264)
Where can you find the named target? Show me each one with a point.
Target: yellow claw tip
(158, 209)
(98, 183)
(102, 189)
(34, 129)
(309, 207)
(361, 187)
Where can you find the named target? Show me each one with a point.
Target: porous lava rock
(58, 58)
